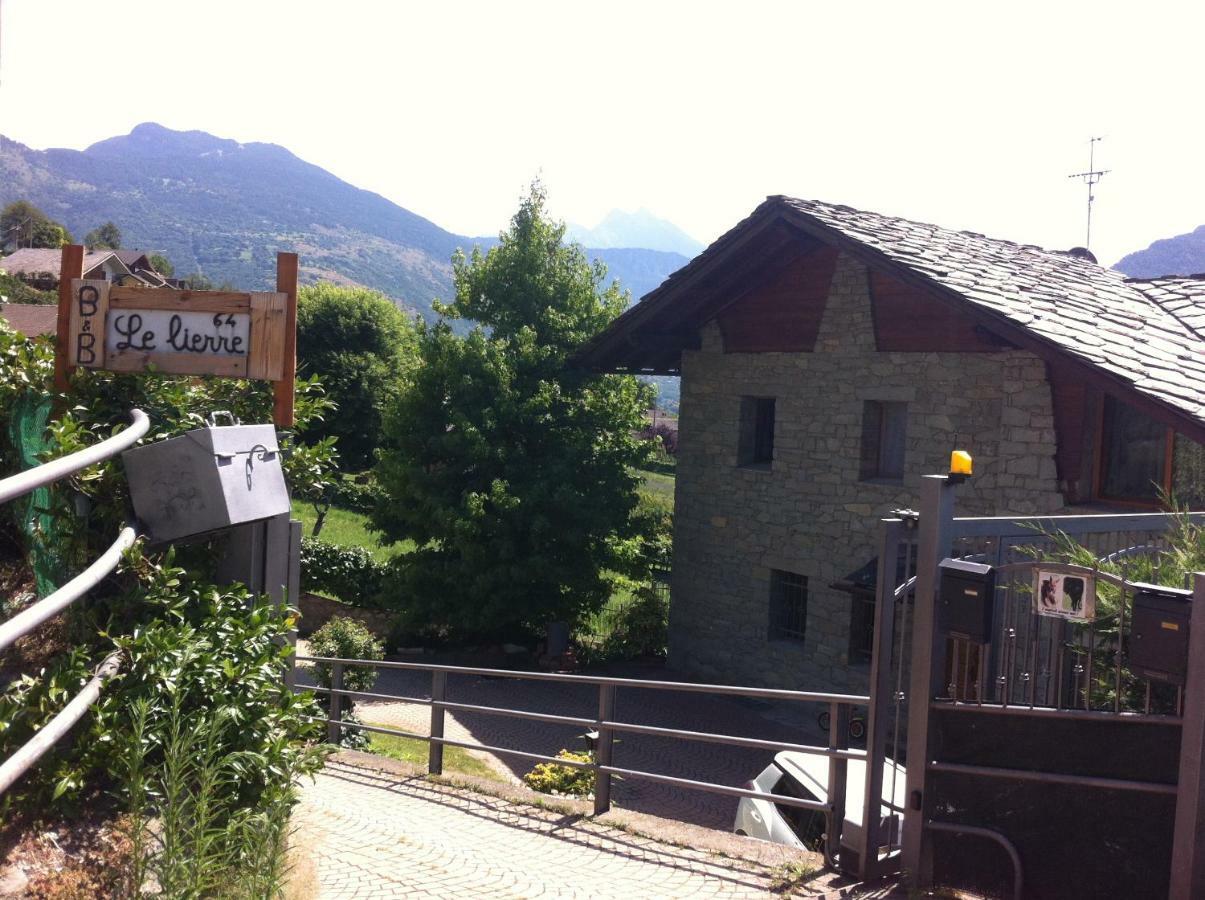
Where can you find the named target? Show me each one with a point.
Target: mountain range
(224, 208)
(1183, 254)
(636, 229)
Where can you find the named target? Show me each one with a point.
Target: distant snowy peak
(636, 229)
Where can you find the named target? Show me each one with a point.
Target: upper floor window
(884, 423)
(1135, 455)
(756, 445)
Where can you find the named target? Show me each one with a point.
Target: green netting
(44, 539)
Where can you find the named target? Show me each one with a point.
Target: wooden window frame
(782, 581)
(755, 442)
(870, 465)
(1098, 473)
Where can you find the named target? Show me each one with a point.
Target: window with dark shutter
(1135, 455)
(788, 606)
(756, 444)
(884, 427)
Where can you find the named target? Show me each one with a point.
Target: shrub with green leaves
(348, 573)
(344, 638)
(553, 778)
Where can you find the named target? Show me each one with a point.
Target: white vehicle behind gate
(805, 775)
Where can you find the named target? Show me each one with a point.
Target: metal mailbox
(1158, 647)
(205, 479)
(966, 597)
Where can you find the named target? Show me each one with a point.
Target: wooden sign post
(230, 334)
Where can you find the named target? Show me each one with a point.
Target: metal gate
(1040, 757)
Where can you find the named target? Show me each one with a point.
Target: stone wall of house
(809, 513)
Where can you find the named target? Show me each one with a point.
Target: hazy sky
(970, 115)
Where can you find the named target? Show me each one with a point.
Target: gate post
(1188, 838)
(881, 697)
(335, 714)
(928, 665)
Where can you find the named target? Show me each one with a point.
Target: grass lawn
(412, 750)
(347, 529)
(659, 485)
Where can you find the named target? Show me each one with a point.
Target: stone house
(832, 357)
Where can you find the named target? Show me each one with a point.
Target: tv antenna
(1091, 177)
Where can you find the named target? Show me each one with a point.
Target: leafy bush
(552, 778)
(664, 434)
(349, 573)
(360, 493)
(344, 638)
(629, 628)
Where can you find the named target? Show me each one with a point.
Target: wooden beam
(71, 266)
(286, 283)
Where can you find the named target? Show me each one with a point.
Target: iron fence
(607, 727)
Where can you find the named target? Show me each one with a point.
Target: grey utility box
(966, 597)
(1158, 647)
(206, 479)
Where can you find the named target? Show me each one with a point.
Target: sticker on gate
(1063, 596)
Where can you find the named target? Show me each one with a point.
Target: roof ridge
(1066, 254)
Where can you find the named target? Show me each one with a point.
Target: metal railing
(26, 621)
(607, 726)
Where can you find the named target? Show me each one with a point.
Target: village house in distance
(832, 357)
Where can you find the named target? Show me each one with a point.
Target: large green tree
(24, 225)
(511, 468)
(363, 347)
(106, 237)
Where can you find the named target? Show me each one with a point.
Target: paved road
(687, 759)
(377, 835)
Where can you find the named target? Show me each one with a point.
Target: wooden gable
(909, 319)
(783, 314)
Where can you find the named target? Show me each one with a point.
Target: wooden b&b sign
(129, 329)
(230, 334)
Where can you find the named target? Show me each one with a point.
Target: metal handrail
(689, 686)
(48, 472)
(51, 605)
(26, 621)
(992, 835)
(606, 727)
(50, 733)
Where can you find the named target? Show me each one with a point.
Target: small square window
(884, 424)
(788, 606)
(756, 445)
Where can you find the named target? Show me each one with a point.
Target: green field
(412, 750)
(347, 529)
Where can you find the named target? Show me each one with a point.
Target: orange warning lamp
(961, 465)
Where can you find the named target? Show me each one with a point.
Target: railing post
(335, 715)
(1188, 838)
(435, 753)
(928, 665)
(882, 696)
(602, 751)
(838, 739)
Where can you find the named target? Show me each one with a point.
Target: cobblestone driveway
(686, 759)
(376, 835)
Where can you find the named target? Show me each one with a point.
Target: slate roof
(30, 319)
(1147, 333)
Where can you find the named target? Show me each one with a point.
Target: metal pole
(602, 751)
(928, 665)
(881, 696)
(335, 714)
(1188, 838)
(439, 693)
(838, 737)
